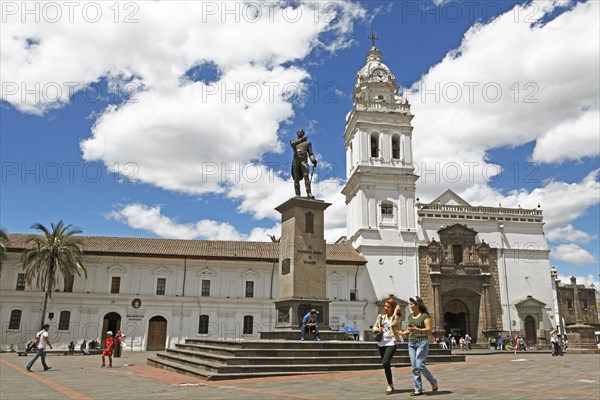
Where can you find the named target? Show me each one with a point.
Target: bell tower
(380, 186)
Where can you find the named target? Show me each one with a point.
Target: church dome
(375, 81)
(374, 71)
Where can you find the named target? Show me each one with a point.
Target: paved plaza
(489, 376)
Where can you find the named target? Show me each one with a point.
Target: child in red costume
(108, 351)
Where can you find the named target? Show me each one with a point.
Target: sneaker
(102, 366)
(301, 339)
(110, 366)
(46, 369)
(28, 369)
(317, 340)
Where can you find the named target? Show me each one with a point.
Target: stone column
(576, 302)
(302, 263)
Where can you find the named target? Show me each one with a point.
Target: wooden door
(157, 334)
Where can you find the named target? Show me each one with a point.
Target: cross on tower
(373, 38)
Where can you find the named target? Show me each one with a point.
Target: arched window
(375, 145)
(15, 319)
(248, 322)
(396, 147)
(63, 321)
(203, 325)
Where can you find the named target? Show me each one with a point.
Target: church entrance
(456, 318)
(530, 335)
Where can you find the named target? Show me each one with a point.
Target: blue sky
(156, 119)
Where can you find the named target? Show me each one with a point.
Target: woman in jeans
(419, 325)
(388, 322)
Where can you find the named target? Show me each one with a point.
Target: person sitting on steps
(310, 322)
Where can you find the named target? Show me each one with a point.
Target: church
(481, 270)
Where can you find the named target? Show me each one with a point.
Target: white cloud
(186, 140)
(180, 135)
(533, 84)
(570, 140)
(586, 280)
(569, 234)
(163, 42)
(561, 202)
(150, 219)
(507, 84)
(572, 254)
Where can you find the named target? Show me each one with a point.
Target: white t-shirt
(388, 335)
(43, 335)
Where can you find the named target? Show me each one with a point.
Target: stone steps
(234, 359)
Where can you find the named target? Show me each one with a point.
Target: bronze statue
(300, 169)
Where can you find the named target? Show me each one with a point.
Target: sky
(173, 119)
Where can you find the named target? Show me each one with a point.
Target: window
(353, 294)
(161, 285)
(63, 321)
(584, 305)
(69, 283)
(387, 212)
(15, 319)
(457, 252)
(20, 282)
(115, 285)
(375, 146)
(203, 325)
(396, 147)
(387, 209)
(205, 288)
(249, 288)
(569, 304)
(248, 322)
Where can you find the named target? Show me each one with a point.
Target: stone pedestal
(302, 263)
(581, 336)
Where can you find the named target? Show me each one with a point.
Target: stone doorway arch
(157, 334)
(530, 334)
(111, 322)
(456, 318)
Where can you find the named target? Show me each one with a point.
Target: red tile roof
(338, 253)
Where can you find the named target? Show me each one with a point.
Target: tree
(3, 241)
(274, 239)
(51, 255)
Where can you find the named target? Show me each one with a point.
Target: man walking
(42, 341)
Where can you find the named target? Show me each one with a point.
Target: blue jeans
(305, 328)
(39, 353)
(418, 355)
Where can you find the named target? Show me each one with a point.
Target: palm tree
(48, 256)
(3, 240)
(274, 238)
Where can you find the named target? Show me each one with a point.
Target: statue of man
(300, 170)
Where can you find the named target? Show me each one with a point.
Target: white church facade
(482, 270)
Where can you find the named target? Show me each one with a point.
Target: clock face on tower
(379, 75)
